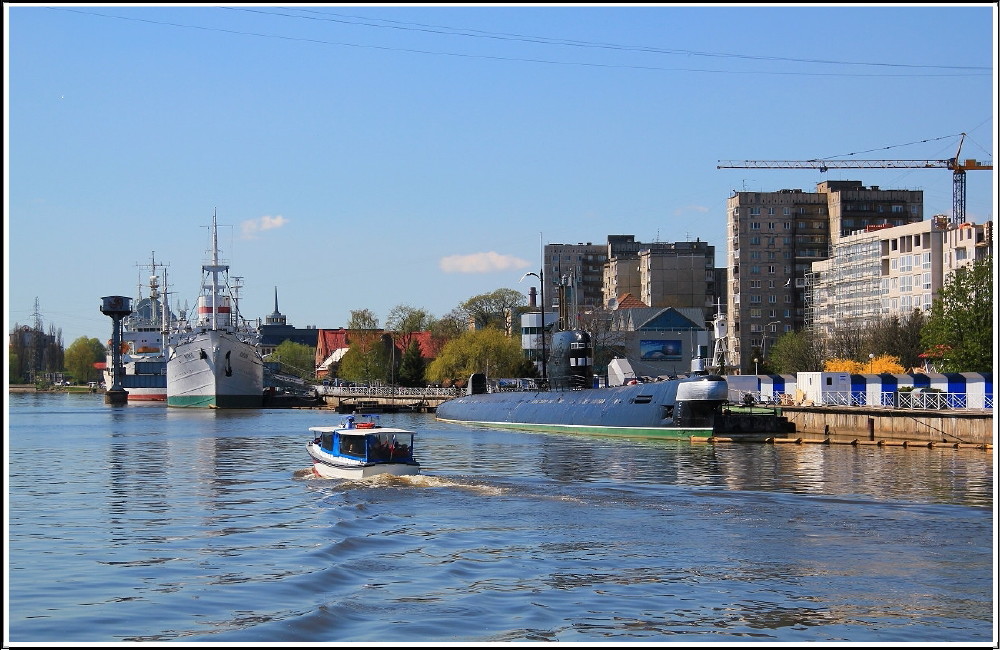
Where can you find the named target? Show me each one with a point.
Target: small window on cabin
(829, 381)
(352, 446)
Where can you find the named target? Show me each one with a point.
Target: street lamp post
(755, 360)
(871, 362)
(763, 349)
(541, 283)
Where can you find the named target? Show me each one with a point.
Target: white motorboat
(355, 450)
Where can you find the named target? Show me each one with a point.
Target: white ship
(143, 346)
(215, 362)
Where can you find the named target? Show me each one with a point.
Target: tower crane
(958, 167)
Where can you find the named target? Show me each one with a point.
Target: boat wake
(413, 480)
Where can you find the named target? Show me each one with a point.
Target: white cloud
(251, 227)
(481, 263)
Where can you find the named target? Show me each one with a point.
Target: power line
(969, 70)
(475, 33)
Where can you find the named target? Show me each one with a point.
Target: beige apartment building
(660, 274)
(773, 239)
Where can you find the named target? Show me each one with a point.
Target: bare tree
(495, 309)
(403, 321)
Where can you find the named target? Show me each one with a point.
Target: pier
(384, 399)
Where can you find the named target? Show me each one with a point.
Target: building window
(754, 225)
(786, 211)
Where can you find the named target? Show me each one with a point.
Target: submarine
(674, 407)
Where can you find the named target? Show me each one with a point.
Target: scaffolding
(846, 290)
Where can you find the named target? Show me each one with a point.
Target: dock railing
(385, 391)
(922, 400)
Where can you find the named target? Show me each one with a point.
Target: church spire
(276, 317)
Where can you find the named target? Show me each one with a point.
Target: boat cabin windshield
(375, 447)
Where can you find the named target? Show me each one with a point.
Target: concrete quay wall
(863, 423)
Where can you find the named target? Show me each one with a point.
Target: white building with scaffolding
(882, 272)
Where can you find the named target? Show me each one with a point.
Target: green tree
(488, 350)
(796, 352)
(296, 359)
(81, 356)
(411, 367)
(961, 320)
(13, 367)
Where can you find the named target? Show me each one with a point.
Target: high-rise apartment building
(773, 238)
(660, 274)
(678, 274)
(574, 272)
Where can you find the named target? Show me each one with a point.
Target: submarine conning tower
(571, 360)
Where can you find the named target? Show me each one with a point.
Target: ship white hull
(214, 369)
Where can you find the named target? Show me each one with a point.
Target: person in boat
(378, 450)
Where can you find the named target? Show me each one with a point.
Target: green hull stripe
(624, 432)
(216, 401)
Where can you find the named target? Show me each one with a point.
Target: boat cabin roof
(344, 431)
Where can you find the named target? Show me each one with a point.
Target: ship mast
(165, 316)
(214, 299)
(215, 272)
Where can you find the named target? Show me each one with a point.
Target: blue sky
(364, 157)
